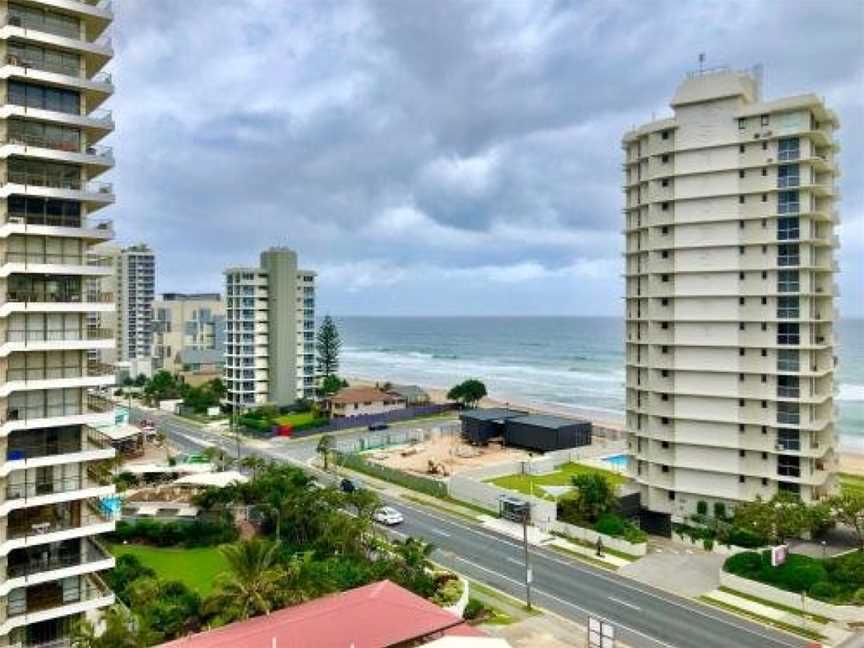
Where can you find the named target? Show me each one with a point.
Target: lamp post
(526, 514)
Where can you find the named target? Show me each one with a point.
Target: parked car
(349, 485)
(374, 427)
(388, 516)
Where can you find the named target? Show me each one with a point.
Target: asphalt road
(641, 615)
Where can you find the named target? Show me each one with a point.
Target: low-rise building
(189, 332)
(363, 401)
(414, 395)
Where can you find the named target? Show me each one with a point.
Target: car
(348, 485)
(374, 427)
(388, 516)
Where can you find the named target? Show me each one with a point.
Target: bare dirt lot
(442, 455)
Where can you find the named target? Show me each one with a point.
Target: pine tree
(328, 347)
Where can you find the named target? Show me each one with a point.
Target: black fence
(394, 416)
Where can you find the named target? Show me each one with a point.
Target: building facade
(188, 331)
(135, 276)
(730, 214)
(52, 123)
(270, 331)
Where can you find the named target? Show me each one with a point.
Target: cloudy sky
(435, 157)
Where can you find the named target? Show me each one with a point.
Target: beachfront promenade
(643, 615)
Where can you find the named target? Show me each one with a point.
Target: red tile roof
(350, 395)
(373, 616)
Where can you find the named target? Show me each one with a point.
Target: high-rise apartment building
(189, 331)
(270, 331)
(135, 276)
(730, 214)
(52, 122)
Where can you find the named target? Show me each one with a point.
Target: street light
(525, 514)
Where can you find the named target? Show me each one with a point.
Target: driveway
(673, 567)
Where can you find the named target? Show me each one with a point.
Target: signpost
(601, 634)
(778, 555)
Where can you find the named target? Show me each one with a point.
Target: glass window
(788, 175)
(787, 360)
(788, 333)
(787, 307)
(788, 281)
(788, 228)
(788, 466)
(35, 96)
(788, 254)
(788, 202)
(788, 439)
(788, 149)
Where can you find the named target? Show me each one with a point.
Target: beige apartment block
(270, 331)
(52, 122)
(730, 298)
(189, 332)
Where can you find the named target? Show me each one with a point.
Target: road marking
(576, 566)
(625, 603)
(441, 533)
(521, 563)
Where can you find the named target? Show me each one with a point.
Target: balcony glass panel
(788, 149)
(45, 20)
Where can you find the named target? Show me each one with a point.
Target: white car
(388, 516)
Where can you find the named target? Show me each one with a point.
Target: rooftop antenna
(759, 75)
(701, 63)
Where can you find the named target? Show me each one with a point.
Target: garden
(562, 476)
(838, 580)
(173, 578)
(300, 416)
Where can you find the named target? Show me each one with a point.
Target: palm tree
(326, 445)
(217, 457)
(254, 463)
(251, 585)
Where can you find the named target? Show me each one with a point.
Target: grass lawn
(561, 477)
(195, 567)
(852, 483)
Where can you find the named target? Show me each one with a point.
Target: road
(642, 616)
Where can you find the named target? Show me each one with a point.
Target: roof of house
(409, 392)
(548, 421)
(217, 479)
(361, 395)
(373, 616)
(201, 356)
(492, 414)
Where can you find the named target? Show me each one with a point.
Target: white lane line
(562, 601)
(440, 532)
(515, 561)
(625, 603)
(618, 583)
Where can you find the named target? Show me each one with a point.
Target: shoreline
(850, 461)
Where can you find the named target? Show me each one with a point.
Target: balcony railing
(788, 392)
(789, 208)
(28, 22)
(45, 66)
(47, 597)
(55, 182)
(788, 181)
(45, 258)
(789, 471)
(40, 521)
(92, 553)
(30, 296)
(95, 440)
(26, 490)
(94, 404)
(58, 335)
(24, 139)
(786, 156)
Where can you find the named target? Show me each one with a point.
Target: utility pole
(526, 514)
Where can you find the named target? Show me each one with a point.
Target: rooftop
(373, 616)
(361, 395)
(492, 414)
(548, 421)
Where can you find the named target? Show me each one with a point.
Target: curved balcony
(94, 374)
(94, 90)
(48, 263)
(96, 229)
(95, 158)
(21, 301)
(34, 450)
(95, 53)
(16, 340)
(95, 125)
(93, 194)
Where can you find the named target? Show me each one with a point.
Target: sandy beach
(849, 462)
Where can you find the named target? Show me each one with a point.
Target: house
(378, 615)
(413, 395)
(363, 401)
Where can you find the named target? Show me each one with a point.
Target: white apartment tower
(51, 123)
(730, 214)
(270, 331)
(135, 270)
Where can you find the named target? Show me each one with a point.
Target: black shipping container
(480, 425)
(546, 433)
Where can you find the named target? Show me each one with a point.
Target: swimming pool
(618, 462)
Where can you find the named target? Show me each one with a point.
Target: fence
(414, 482)
(591, 536)
(394, 416)
(468, 489)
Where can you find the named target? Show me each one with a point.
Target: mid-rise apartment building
(52, 122)
(270, 331)
(189, 331)
(730, 215)
(135, 276)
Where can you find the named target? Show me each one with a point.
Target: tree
(595, 495)
(218, 457)
(251, 585)
(328, 346)
(121, 630)
(326, 445)
(330, 385)
(848, 508)
(469, 392)
(140, 380)
(254, 463)
(783, 516)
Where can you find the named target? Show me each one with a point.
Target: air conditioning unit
(780, 446)
(770, 160)
(755, 135)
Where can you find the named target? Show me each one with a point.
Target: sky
(436, 157)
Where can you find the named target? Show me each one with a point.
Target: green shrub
(198, 533)
(702, 507)
(617, 527)
(448, 593)
(708, 544)
(823, 590)
(743, 564)
(744, 538)
(720, 510)
(414, 482)
(474, 610)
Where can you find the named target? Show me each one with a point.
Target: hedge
(414, 482)
(838, 580)
(198, 533)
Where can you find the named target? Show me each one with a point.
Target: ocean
(569, 364)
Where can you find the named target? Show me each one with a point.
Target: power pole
(526, 514)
